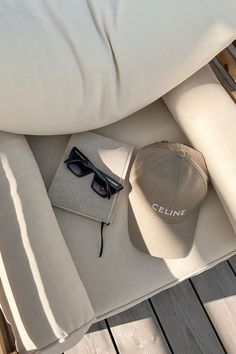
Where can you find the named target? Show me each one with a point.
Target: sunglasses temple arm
(71, 160)
(84, 158)
(116, 183)
(108, 190)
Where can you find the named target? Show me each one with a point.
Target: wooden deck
(196, 316)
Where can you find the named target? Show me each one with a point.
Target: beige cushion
(124, 275)
(41, 292)
(69, 66)
(207, 115)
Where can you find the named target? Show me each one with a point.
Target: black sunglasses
(81, 166)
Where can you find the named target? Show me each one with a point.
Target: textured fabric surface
(206, 113)
(71, 66)
(41, 292)
(75, 194)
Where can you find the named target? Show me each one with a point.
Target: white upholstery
(69, 66)
(41, 292)
(125, 276)
(207, 115)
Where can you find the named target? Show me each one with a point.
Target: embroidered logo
(169, 212)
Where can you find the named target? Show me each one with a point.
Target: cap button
(181, 153)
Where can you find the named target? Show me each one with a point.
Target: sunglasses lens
(99, 186)
(78, 163)
(76, 169)
(102, 184)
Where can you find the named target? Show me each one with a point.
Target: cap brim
(157, 238)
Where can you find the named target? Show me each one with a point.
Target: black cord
(101, 247)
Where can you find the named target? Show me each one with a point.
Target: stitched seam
(177, 182)
(199, 173)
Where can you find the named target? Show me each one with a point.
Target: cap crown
(170, 180)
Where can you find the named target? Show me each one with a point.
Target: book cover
(75, 194)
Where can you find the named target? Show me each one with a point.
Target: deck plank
(137, 331)
(185, 322)
(217, 291)
(96, 341)
(232, 262)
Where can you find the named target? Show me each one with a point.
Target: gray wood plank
(96, 341)
(232, 262)
(137, 331)
(185, 322)
(217, 291)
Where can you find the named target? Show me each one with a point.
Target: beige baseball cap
(169, 181)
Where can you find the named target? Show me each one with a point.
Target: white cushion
(69, 66)
(41, 292)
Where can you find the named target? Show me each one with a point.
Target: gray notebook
(75, 194)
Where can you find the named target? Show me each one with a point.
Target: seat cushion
(124, 275)
(70, 66)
